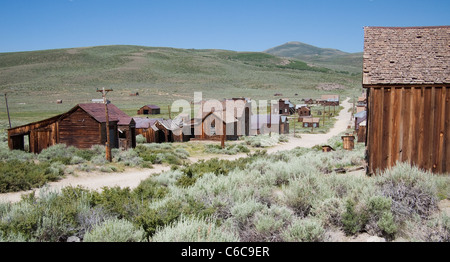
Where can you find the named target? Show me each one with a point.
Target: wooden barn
(82, 126)
(149, 110)
(406, 73)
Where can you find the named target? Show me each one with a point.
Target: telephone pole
(108, 141)
(7, 110)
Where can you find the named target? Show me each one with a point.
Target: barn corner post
(108, 141)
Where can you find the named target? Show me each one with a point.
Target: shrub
(58, 152)
(194, 230)
(115, 200)
(77, 160)
(140, 139)
(304, 230)
(18, 175)
(22, 219)
(128, 157)
(114, 230)
(380, 218)
(353, 221)
(149, 189)
(330, 212)
(228, 150)
(411, 190)
(302, 194)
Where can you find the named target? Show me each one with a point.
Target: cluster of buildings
(403, 116)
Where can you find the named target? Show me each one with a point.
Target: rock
(73, 239)
(375, 239)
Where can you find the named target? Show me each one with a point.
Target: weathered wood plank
(446, 156)
(386, 126)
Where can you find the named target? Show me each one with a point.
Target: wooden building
(145, 127)
(285, 107)
(149, 110)
(311, 122)
(309, 101)
(360, 117)
(264, 124)
(82, 126)
(212, 115)
(303, 111)
(361, 133)
(406, 73)
(328, 100)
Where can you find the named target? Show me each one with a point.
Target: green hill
(34, 81)
(324, 57)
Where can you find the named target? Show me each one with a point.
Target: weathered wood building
(231, 115)
(145, 127)
(406, 73)
(82, 126)
(328, 100)
(285, 107)
(149, 110)
(303, 111)
(264, 124)
(311, 122)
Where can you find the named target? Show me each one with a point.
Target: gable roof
(406, 55)
(152, 106)
(97, 111)
(143, 122)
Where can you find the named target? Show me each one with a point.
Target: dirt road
(132, 177)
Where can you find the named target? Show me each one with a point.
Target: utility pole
(7, 110)
(108, 141)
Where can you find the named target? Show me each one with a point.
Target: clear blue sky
(240, 25)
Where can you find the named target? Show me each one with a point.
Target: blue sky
(244, 25)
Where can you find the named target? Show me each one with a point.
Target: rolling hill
(35, 80)
(324, 57)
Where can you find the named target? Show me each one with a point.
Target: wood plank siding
(409, 124)
(406, 73)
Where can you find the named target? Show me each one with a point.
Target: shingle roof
(152, 106)
(97, 111)
(406, 55)
(143, 122)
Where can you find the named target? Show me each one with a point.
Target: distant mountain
(325, 57)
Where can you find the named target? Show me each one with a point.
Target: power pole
(108, 141)
(7, 110)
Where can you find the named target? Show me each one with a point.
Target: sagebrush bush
(228, 150)
(18, 175)
(58, 152)
(140, 139)
(411, 190)
(304, 230)
(128, 157)
(194, 230)
(330, 212)
(114, 230)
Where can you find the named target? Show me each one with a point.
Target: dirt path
(132, 177)
(93, 180)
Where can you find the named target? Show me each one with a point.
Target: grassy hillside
(35, 80)
(324, 57)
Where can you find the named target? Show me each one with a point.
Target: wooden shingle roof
(97, 111)
(406, 55)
